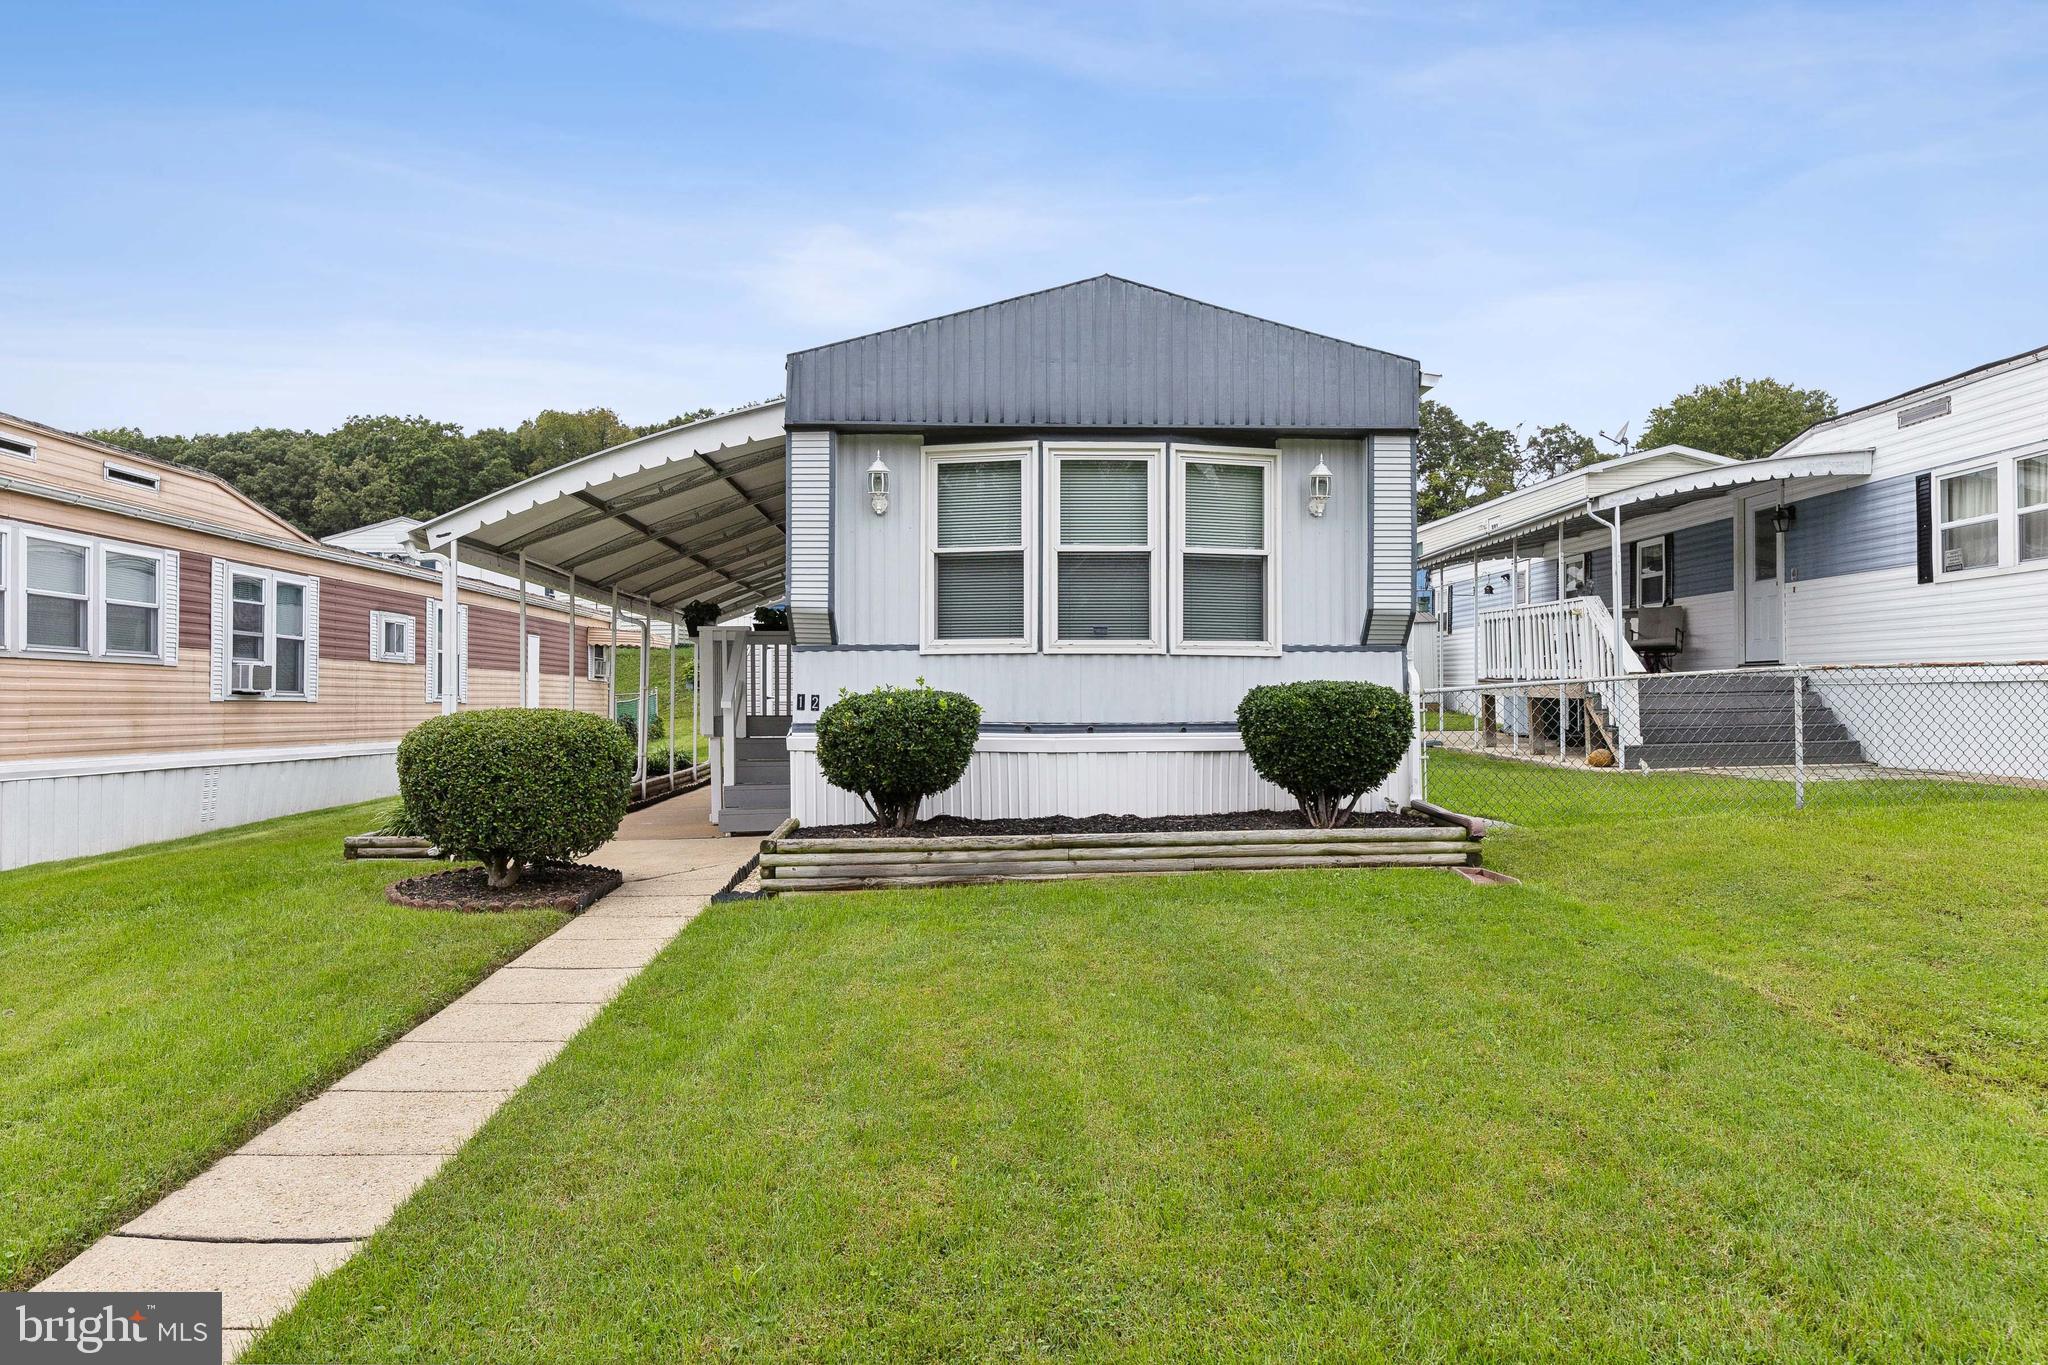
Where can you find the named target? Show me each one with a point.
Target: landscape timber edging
(792, 863)
(388, 846)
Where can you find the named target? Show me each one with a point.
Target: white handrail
(1560, 643)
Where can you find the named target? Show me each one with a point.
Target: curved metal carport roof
(694, 513)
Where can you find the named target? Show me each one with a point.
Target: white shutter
(220, 630)
(168, 617)
(462, 654)
(313, 640)
(433, 649)
(376, 636)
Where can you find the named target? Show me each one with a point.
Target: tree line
(371, 468)
(1460, 463)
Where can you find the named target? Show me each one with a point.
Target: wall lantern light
(878, 486)
(1318, 489)
(1782, 517)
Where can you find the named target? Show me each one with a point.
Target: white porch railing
(747, 672)
(1573, 641)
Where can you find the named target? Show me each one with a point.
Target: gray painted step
(757, 796)
(1715, 715)
(750, 772)
(750, 821)
(1780, 731)
(767, 725)
(1708, 753)
(760, 749)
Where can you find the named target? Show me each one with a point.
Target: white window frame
(28, 442)
(1026, 453)
(379, 621)
(14, 539)
(1153, 454)
(1662, 575)
(130, 477)
(2019, 512)
(597, 665)
(1581, 562)
(2004, 474)
(102, 599)
(1178, 551)
(309, 598)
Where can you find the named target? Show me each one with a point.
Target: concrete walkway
(300, 1198)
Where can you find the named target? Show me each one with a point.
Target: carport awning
(1658, 495)
(693, 513)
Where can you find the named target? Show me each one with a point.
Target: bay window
(978, 515)
(1225, 530)
(1967, 509)
(1104, 590)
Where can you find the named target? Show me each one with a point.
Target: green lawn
(1713, 1088)
(163, 1004)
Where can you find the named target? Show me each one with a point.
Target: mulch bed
(550, 886)
(954, 826)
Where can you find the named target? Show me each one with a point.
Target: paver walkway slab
(298, 1200)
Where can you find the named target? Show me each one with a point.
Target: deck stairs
(1728, 720)
(757, 799)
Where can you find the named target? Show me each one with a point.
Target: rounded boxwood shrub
(1325, 743)
(512, 787)
(894, 746)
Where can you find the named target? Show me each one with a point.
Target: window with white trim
(1650, 572)
(979, 510)
(18, 448)
(1104, 588)
(1226, 595)
(271, 620)
(600, 667)
(1966, 519)
(1578, 575)
(132, 603)
(75, 596)
(57, 587)
(2032, 476)
(391, 637)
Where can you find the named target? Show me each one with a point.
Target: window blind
(981, 503)
(980, 596)
(1105, 596)
(1104, 502)
(1223, 597)
(1226, 506)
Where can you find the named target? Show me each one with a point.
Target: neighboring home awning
(1478, 531)
(693, 513)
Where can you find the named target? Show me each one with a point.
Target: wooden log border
(790, 862)
(388, 846)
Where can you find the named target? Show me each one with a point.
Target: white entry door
(532, 697)
(1760, 591)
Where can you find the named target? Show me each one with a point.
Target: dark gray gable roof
(1103, 354)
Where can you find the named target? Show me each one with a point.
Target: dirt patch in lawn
(955, 827)
(550, 886)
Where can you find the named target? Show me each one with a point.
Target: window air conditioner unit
(251, 678)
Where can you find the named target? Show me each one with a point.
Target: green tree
(1557, 449)
(1460, 463)
(1744, 418)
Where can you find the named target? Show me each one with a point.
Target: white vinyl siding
(72, 596)
(1226, 595)
(978, 516)
(272, 618)
(1105, 588)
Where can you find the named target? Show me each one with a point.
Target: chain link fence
(1757, 738)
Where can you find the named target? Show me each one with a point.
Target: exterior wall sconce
(1782, 516)
(1318, 489)
(878, 487)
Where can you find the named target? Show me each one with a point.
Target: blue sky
(228, 215)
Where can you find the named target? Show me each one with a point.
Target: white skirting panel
(1983, 720)
(1014, 778)
(54, 811)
